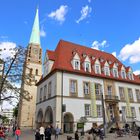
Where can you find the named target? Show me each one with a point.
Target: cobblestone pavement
(29, 135)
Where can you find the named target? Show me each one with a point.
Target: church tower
(33, 70)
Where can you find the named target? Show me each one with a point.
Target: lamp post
(103, 112)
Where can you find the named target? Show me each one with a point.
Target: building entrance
(68, 123)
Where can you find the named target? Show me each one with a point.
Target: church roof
(63, 53)
(35, 34)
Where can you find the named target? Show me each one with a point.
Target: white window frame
(121, 92)
(45, 91)
(133, 112)
(99, 111)
(86, 88)
(98, 89)
(76, 64)
(130, 76)
(73, 86)
(106, 71)
(40, 95)
(123, 74)
(49, 89)
(87, 67)
(97, 69)
(137, 91)
(130, 93)
(115, 72)
(87, 110)
(109, 91)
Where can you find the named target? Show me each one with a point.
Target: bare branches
(13, 75)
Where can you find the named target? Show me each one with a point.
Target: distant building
(33, 69)
(8, 113)
(71, 88)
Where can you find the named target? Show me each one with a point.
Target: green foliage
(5, 119)
(15, 111)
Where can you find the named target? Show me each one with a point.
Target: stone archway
(39, 118)
(68, 122)
(48, 118)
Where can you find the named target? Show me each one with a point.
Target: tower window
(31, 71)
(36, 72)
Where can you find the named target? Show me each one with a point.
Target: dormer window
(115, 72)
(130, 75)
(106, 71)
(87, 67)
(123, 74)
(76, 64)
(97, 69)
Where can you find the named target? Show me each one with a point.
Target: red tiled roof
(51, 55)
(63, 54)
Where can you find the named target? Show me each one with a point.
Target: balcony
(111, 98)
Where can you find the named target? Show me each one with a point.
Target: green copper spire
(35, 35)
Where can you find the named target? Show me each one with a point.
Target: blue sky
(109, 25)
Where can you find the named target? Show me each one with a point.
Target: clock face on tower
(35, 53)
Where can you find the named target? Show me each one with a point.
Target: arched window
(36, 72)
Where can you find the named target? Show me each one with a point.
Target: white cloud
(114, 53)
(3, 37)
(97, 45)
(86, 10)
(137, 72)
(59, 14)
(131, 52)
(7, 49)
(42, 32)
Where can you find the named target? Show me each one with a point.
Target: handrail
(111, 97)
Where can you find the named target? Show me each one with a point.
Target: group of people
(93, 133)
(46, 132)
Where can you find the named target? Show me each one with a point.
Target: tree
(5, 119)
(15, 111)
(13, 75)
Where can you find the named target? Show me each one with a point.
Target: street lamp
(103, 112)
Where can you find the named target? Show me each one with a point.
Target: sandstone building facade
(32, 69)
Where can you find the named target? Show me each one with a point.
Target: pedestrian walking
(41, 131)
(37, 135)
(76, 135)
(101, 133)
(57, 132)
(17, 133)
(2, 135)
(94, 131)
(14, 129)
(48, 133)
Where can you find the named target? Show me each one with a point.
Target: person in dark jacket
(37, 135)
(139, 134)
(76, 135)
(94, 131)
(48, 133)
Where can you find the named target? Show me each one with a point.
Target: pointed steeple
(35, 35)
